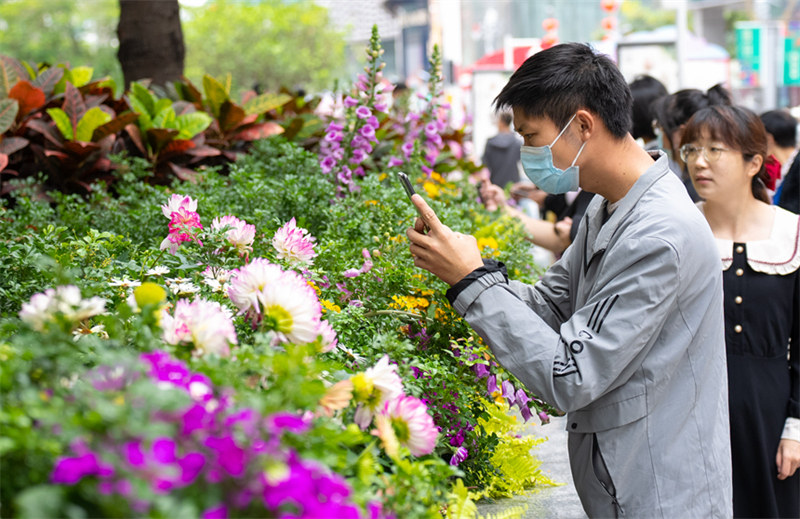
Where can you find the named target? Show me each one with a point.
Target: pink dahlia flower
(206, 324)
(177, 202)
(294, 244)
(412, 424)
(240, 234)
(248, 281)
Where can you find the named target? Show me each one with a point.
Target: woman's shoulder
(780, 254)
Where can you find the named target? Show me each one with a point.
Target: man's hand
(448, 255)
(788, 458)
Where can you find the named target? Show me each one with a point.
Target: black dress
(761, 281)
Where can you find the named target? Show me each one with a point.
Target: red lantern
(608, 5)
(609, 23)
(549, 24)
(549, 40)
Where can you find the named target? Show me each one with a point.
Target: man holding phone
(625, 332)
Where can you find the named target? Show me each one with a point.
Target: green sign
(791, 53)
(748, 52)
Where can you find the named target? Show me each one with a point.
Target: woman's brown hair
(739, 128)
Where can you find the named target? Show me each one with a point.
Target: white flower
(177, 202)
(203, 323)
(81, 331)
(64, 301)
(158, 271)
(291, 308)
(124, 282)
(249, 281)
(184, 288)
(373, 387)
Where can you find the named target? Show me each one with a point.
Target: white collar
(779, 254)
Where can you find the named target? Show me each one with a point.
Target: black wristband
(489, 266)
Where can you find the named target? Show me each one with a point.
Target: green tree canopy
(82, 33)
(269, 43)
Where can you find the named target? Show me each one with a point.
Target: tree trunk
(150, 41)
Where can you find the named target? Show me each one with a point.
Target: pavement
(560, 502)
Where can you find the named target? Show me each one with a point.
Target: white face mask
(537, 162)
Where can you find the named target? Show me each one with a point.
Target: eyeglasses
(689, 153)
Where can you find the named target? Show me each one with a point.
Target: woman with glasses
(724, 148)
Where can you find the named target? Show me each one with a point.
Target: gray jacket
(626, 334)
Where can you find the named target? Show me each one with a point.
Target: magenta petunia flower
(294, 244)
(508, 392)
(459, 456)
(491, 384)
(394, 161)
(350, 102)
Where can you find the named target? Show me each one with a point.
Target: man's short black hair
(506, 118)
(782, 126)
(559, 81)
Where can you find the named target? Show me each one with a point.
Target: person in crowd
(645, 90)
(501, 156)
(625, 332)
(671, 114)
(782, 144)
(725, 149)
(554, 234)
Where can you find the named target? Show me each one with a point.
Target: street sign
(791, 61)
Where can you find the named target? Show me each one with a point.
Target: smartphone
(409, 190)
(406, 184)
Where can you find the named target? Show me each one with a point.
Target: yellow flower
(314, 286)
(431, 189)
(489, 242)
(329, 306)
(370, 202)
(149, 293)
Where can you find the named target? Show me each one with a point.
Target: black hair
(645, 89)
(674, 110)
(782, 126)
(506, 118)
(739, 128)
(559, 81)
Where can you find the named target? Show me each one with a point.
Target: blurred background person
(671, 114)
(646, 89)
(782, 144)
(725, 149)
(501, 156)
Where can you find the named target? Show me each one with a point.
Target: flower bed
(254, 343)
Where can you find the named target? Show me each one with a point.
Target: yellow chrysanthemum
(149, 293)
(314, 286)
(329, 306)
(431, 189)
(370, 202)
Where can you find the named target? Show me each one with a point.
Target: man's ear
(587, 123)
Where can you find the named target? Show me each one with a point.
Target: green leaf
(265, 103)
(191, 124)
(8, 76)
(92, 119)
(62, 121)
(81, 75)
(8, 113)
(215, 94)
(40, 501)
(165, 116)
(142, 101)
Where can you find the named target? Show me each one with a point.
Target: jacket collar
(599, 234)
